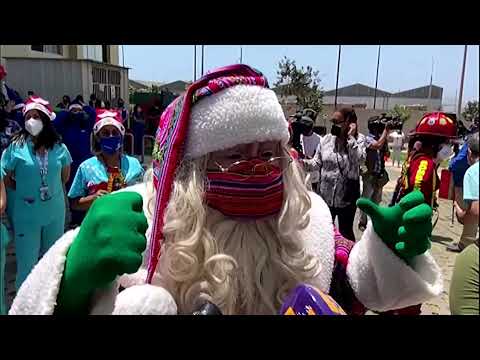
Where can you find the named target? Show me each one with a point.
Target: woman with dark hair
(109, 170)
(36, 166)
(338, 158)
(65, 102)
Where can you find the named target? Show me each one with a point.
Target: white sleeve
(315, 163)
(382, 281)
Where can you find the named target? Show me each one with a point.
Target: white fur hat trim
(241, 114)
(108, 121)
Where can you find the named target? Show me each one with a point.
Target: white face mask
(34, 126)
(444, 153)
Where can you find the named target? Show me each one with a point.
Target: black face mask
(336, 130)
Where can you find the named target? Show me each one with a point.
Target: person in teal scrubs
(36, 165)
(109, 170)
(4, 240)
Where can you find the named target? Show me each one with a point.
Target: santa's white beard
(247, 268)
(243, 267)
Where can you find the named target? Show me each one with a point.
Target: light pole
(338, 73)
(194, 62)
(376, 79)
(203, 54)
(462, 78)
(241, 55)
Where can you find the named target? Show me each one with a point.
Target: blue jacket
(459, 165)
(76, 133)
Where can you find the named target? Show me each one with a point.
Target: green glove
(110, 243)
(406, 227)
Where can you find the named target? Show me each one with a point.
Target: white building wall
(436, 104)
(382, 103)
(47, 78)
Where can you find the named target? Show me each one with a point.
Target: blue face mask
(111, 145)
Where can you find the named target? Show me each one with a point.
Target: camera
(376, 124)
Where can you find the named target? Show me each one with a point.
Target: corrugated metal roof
(359, 90)
(421, 92)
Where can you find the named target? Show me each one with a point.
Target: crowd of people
(245, 212)
(46, 157)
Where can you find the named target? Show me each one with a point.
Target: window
(114, 77)
(106, 83)
(37, 48)
(106, 54)
(53, 49)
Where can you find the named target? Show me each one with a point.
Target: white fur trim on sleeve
(241, 114)
(382, 281)
(145, 300)
(38, 293)
(319, 242)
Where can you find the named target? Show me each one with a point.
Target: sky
(402, 67)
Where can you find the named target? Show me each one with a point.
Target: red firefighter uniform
(420, 173)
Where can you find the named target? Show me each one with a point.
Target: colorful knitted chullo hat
(229, 106)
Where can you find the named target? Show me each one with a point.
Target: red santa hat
(229, 106)
(37, 103)
(108, 117)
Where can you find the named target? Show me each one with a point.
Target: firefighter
(429, 146)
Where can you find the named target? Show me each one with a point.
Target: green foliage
(304, 83)
(400, 112)
(471, 111)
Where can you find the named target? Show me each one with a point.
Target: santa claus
(229, 221)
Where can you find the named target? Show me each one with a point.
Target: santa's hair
(244, 267)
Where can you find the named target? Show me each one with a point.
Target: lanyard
(43, 164)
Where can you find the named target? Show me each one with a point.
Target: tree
(471, 111)
(400, 112)
(304, 83)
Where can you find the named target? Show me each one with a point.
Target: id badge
(44, 195)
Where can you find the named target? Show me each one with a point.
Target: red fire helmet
(436, 124)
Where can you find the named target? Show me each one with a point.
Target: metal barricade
(92, 144)
(131, 142)
(151, 139)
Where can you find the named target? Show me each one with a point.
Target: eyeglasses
(252, 168)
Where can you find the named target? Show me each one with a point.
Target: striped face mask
(253, 193)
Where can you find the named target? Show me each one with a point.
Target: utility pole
(194, 62)
(241, 55)
(338, 73)
(430, 107)
(462, 78)
(376, 79)
(203, 58)
(123, 55)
